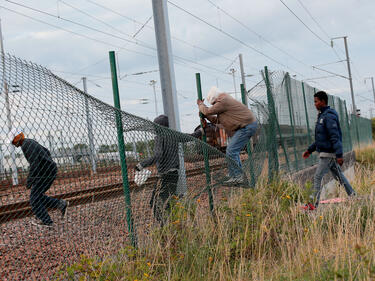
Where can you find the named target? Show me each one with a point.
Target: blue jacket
(328, 136)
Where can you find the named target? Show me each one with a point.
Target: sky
(73, 38)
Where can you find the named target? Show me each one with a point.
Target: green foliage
(257, 234)
(80, 146)
(109, 148)
(366, 156)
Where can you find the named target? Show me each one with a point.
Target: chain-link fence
(73, 149)
(291, 103)
(85, 152)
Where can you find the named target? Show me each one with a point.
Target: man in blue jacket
(328, 143)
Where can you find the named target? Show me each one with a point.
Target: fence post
(272, 144)
(248, 145)
(306, 113)
(89, 128)
(348, 127)
(356, 129)
(205, 151)
(291, 117)
(307, 116)
(280, 134)
(121, 144)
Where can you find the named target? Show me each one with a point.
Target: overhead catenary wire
(326, 34)
(233, 37)
(173, 37)
(83, 25)
(257, 34)
(308, 28)
(100, 41)
(105, 59)
(132, 42)
(75, 33)
(145, 25)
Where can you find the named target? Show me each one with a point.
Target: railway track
(80, 197)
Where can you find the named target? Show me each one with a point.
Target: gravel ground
(29, 252)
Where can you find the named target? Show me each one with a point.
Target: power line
(134, 35)
(226, 69)
(257, 34)
(87, 37)
(317, 23)
(337, 55)
(80, 24)
(113, 11)
(178, 39)
(144, 44)
(232, 37)
(76, 33)
(145, 25)
(95, 18)
(316, 35)
(80, 74)
(329, 37)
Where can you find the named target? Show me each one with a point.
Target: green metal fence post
(121, 144)
(248, 146)
(205, 151)
(290, 106)
(307, 118)
(272, 144)
(348, 127)
(333, 102)
(357, 129)
(306, 113)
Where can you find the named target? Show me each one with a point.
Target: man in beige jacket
(239, 123)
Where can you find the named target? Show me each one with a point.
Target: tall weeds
(257, 234)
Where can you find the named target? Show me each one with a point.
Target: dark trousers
(165, 189)
(40, 202)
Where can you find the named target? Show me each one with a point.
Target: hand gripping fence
(76, 150)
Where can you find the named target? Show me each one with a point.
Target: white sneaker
(234, 180)
(41, 224)
(64, 209)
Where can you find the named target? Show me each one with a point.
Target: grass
(255, 235)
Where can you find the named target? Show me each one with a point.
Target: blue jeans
(240, 138)
(324, 165)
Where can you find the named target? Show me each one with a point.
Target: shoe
(42, 224)
(234, 180)
(309, 207)
(64, 210)
(353, 195)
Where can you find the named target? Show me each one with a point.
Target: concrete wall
(329, 188)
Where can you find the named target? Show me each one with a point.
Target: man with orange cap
(42, 173)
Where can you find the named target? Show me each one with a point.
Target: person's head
(320, 100)
(162, 120)
(16, 137)
(212, 95)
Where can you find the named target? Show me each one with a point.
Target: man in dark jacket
(328, 143)
(42, 173)
(167, 163)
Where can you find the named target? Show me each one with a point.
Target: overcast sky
(265, 32)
